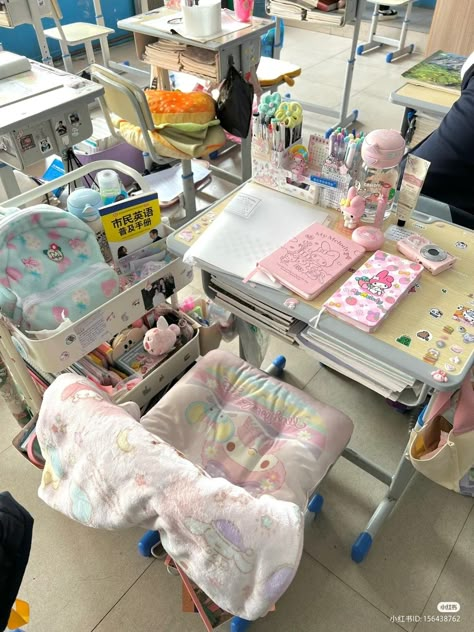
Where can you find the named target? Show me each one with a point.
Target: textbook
(131, 224)
(441, 71)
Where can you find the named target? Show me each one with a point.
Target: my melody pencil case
(374, 290)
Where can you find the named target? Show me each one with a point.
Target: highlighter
(413, 179)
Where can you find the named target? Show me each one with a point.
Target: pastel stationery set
(373, 291)
(311, 261)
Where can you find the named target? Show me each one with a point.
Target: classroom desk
(396, 341)
(432, 102)
(241, 47)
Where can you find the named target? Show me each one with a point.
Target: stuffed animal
(162, 338)
(125, 340)
(353, 207)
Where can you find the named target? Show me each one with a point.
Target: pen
(332, 142)
(350, 153)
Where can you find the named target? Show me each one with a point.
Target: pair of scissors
(289, 113)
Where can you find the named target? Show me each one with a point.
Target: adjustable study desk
(242, 47)
(429, 101)
(424, 334)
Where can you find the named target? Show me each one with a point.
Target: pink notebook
(311, 261)
(374, 290)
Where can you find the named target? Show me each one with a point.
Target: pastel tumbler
(243, 10)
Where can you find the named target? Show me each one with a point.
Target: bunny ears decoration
(352, 207)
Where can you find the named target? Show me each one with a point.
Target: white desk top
(144, 24)
(396, 339)
(43, 89)
(434, 102)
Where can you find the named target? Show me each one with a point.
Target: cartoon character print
(55, 254)
(224, 540)
(80, 248)
(294, 250)
(377, 284)
(313, 261)
(80, 390)
(322, 259)
(464, 314)
(245, 458)
(33, 266)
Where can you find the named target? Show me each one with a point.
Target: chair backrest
(123, 98)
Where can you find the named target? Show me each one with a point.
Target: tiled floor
(79, 580)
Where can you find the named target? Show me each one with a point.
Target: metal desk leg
(189, 193)
(399, 483)
(246, 152)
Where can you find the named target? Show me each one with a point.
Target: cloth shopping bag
(441, 451)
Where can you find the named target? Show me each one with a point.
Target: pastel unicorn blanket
(106, 471)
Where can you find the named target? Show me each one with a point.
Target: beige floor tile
(454, 584)
(316, 600)
(8, 427)
(376, 113)
(75, 575)
(408, 553)
(296, 55)
(319, 601)
(317, 93)
(380, 432)
(153, 603)
(300, 368)
(412, 547)
(332, 72)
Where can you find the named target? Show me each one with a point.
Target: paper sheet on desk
(256, 222)
(173, 23)
(169, 184)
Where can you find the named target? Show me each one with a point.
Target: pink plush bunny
(353, 207)
(162, 338)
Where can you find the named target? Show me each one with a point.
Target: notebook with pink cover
(311, 261)
(376, 288)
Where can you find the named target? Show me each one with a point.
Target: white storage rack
(57, 352)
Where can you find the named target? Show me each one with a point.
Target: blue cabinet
(22, 40)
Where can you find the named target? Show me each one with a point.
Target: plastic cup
(243, 10)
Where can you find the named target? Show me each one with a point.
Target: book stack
(347, 359)
(253, 310)
(322, 11)
(182, 58)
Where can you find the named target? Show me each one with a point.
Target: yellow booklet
(131, 224)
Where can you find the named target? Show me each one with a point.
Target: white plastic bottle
(110, 187)
(92, 218)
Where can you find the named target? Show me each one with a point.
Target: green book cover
(441, 70)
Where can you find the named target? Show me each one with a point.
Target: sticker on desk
(243, 205)
(92, 331)
(395, 233)
(464, 314)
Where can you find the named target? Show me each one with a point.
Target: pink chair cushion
(257, 432)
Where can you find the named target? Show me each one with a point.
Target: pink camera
(432, 257)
